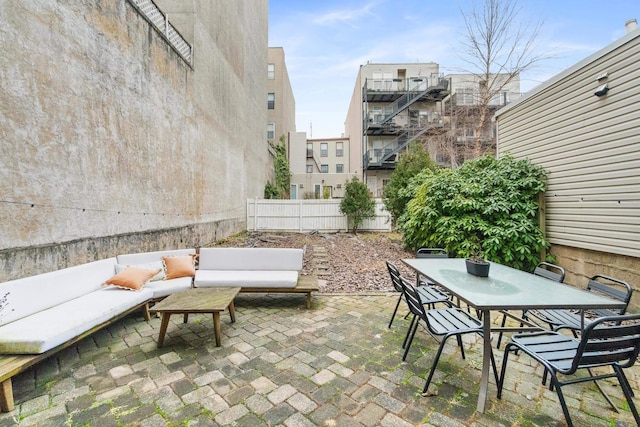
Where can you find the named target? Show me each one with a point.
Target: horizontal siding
(590, 148)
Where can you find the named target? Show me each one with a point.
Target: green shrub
(488, 206)
(412, 162)
(357, 203)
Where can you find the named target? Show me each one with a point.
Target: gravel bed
(356, 262)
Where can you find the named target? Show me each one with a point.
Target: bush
(411, 163)
(357, 203)
(487, 206)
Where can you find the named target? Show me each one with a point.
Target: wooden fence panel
(307, 215)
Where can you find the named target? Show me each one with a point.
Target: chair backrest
(611, 288)
(395, 276)
(550, 271)
(431, 253)
(413, 299)
(608, 340)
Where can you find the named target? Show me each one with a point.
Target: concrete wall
(109, 139)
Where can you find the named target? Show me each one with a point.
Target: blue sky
(326, 41)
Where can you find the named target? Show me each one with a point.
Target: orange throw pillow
(132, 278)
(179, 266)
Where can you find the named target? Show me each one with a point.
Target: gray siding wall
(105, 131)
(590, 147)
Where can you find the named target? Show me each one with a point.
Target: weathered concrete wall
(581, 264)
(106, 133)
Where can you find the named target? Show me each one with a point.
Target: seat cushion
(163, 288)
(49, 328)
(246, 279)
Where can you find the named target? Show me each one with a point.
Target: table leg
(163, 328)
(216, 327)
(232, 312)
(486, 360)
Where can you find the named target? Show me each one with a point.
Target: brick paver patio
(336, 364)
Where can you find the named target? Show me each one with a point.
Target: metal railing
(160, 22)
(378, 156)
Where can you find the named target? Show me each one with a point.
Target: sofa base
(13, 364)
(306, 285)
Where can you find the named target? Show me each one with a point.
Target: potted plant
(476, 263)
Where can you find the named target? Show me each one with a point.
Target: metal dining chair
(543, 269)
(604, 285)
(612, 341)
(440, 323)
(428, 296)
(424, 281)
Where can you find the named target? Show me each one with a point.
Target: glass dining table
(505, 289)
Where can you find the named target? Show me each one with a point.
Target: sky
(326, 41)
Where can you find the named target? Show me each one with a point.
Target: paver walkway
(336, 364)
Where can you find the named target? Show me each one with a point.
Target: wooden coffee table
(196, 300)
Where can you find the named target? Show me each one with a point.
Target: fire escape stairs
(398, 144)
(410, 97)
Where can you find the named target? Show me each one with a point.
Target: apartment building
(281, 104)
(391, 106)
(461, 117)
(319, 167)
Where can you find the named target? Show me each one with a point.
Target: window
(293, 192)
(271, 130)
(324, 168)
(339, 168)
(339, 149)
(469, 133)
(271, 71)
(324, 149)
(309, 149)
(271, 101)
(309, 168)
(465, 97)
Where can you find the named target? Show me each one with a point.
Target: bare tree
(498, 46)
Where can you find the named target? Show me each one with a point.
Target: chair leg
(406, 337)
(413, 334)
(628, 392)
(622, 375)
(395, 310)
(459, 339)
(433, 367)
(603, 393)
(556, 384)
(503, 371)
(504, 321)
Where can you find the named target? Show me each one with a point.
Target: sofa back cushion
(150, 257)
(23, 297)
(289, 259)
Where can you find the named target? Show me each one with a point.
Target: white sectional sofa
(43, 314)
(268, 270)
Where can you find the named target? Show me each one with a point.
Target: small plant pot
(478, 268)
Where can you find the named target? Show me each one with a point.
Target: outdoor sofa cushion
(24, 297)
(242, 259)
(160, 288)
(51, 327)
(246, 278)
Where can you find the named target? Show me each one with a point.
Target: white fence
(308, 215)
